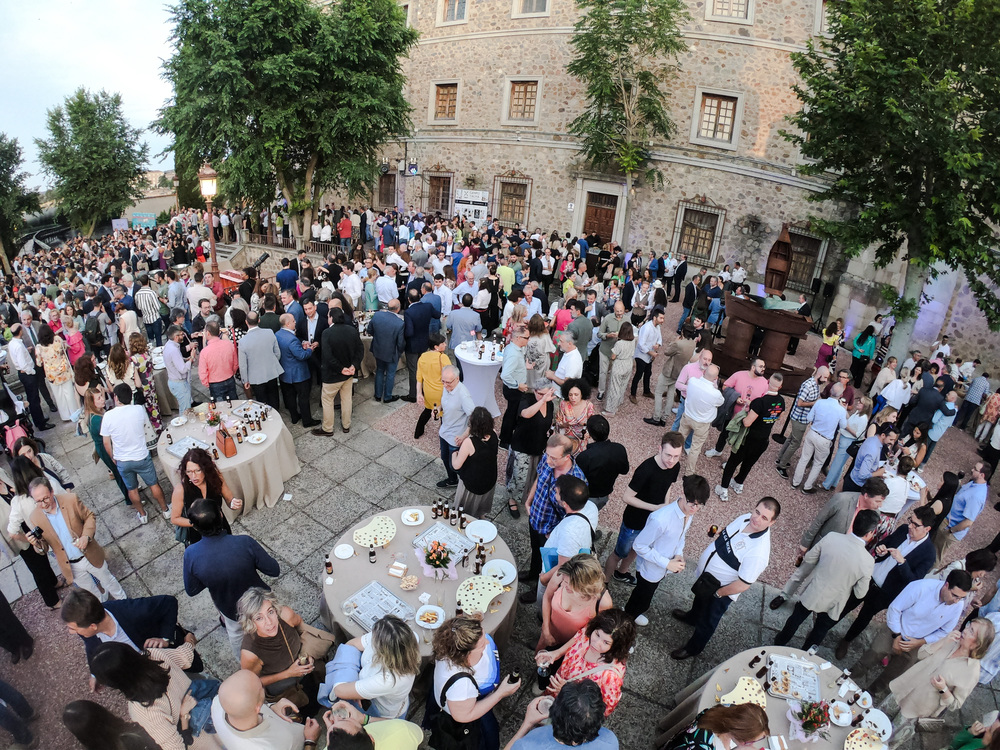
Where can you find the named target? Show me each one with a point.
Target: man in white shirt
(739, 274)
(701, 405)
(942, 348)
(441, 290)
(244, 720)
(571, 363)
(647, 346)
(468, 286)
(385, 286)
(659, 547)
(24, 363)
(350, 284)
(575, 533)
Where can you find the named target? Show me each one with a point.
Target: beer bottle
(329, 566)
(371, 553)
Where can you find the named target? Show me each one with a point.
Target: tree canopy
(899, 104)
(95, 158)
(287, 93)
(15, 199)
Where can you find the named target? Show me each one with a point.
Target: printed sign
(473, 204)
(119, 225)
(147, 221)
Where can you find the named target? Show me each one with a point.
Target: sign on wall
(472, 204)
(147, 221)
(119, 225)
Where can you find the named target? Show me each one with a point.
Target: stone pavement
(349, 477)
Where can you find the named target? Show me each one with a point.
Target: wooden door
(600, 215)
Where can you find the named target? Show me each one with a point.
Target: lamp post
(177, 193)
(208, 178)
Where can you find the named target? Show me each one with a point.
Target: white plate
(178, 421)
(865, 700)
(877, 721)
(481, 531)
(845, 716)
(430, 625)
(343, 551)
(503, 570)
(257, 438)
(408, 521)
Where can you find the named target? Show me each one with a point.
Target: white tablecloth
(480, 375)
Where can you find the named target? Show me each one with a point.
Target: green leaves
(15, 199)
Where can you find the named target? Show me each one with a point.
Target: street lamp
(208, 178)
(177, 193)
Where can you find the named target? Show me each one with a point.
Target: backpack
(92, 332)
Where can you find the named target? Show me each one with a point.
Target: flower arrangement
(437, 555)
(812, 717)
(214, 418)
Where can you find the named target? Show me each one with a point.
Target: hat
(657, 284)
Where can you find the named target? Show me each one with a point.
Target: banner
(119, 225)
(147, 221)
(472, 204)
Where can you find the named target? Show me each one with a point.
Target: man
(225, 564)
(695, 369)
(845, 378)
(929, 401)
(740, 389)
(68, 528)
(680, 274)
(342, 353)
(978, 388)
(465, 324)
(701, 405)
(570, 363)
(602, 462)
(201, 320)
(906, 555)
(805, 310)
(647, 492)
(244, 720)
(824, 420)
(690, 297)
(124, 437)
(836, 569)
(148, 305)
(416, 328)
(296, 380)
(218, 363)
(659, 547)
(427, 295)
(310, 331)
(543, 511)
(924, 612)
(24, 363)
(530, 301)
(351, 284)
(468, 285)
(730, 564)
(270, 319)
(456, 408)
(805, 399)
(178, 368)
(441, 290)
(286, 277)
(576, 533)
(837, 515)
(359, 731)
(292, 306)
(762, 414)
(581, 327)
(514, 381)
(647, 346)
(866, 463)
(677, 355)
(260, 362)
(965, 508)
(576, 716)
(386, 286)
(197, 291)
(941, 348)
(388, 344)
(607, 333)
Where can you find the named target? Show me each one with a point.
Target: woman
(466, 684)
(562, 317)
(861, 355)
(390, 662)
(574, 411)
(895, 394)
(825, 356)
(740, 726)
(93, 414)
(200, 478)
(121, 369)
(621, 369)
(143, 366)
(481, 303)
(976, 737)
(943, 677)
(597, 652)
(273, 650)
(429, 386)
(15, 541)
(56, 473)
(516, 316)
(476, 464)
(239, 327)
(371, 295)
(493, 282)
(75, 345)
(914, 445)
(161, 698)
(857, 423)
(51, 355)
(574, 594)
(989, 412)
(96, 728)
(943, 499)
(87, 375)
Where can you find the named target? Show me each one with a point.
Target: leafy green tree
(96, 159)
(15, 199)
(625, 53)
(164, 182)
(188, 188)
(289, 93)
(900, 108)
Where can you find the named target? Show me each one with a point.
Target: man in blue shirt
(576, 717)
(968, 504)
(286, 277)
(866, 463)
(825, 418)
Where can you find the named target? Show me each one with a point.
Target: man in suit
(679, 275)
(342, 353)
(805, 310)
(310, 331)
(837, 515)
(690, 297)
(929, 401)
(416, 329)
(296, 381)
(30, 339)
(835, 570)
(906, 555)
(260, 362)
(68, 528)
(388, 345)
(676, 356)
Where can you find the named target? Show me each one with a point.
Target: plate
(257, 438)
(343, 551)
(863, 739)
(476, 593)
(846, 717)
(413, 517)
(865, 700)
(430, 609)
(178, 421)
(503, 570)
(877, 721)
(481, 531)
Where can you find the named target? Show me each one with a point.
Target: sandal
(512, 508)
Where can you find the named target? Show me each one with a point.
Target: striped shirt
(160, 719)
(808, 391)
(545, 514)
(148, 304)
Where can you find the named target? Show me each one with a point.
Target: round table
(164, 398)
(701, 694)
(257, 473)
(350, 575)
(480, 375)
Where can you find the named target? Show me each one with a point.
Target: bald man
(245, 722)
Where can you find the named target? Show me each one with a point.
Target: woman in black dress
(200, 478)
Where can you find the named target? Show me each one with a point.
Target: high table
(257, 473)
(480, 375)
(352, 574)
(701, 694)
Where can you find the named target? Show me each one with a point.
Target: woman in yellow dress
(429, 386)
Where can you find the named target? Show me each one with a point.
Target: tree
(188, 189)
(15, 199)
(625, 53)
(287, 93)
(164, 182)
(899, 104)
(95, 158)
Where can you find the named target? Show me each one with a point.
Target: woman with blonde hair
(573, 596)
(143, 364)
(857, 424)
(516, 321)
(538, 351)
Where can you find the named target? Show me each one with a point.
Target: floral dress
(575, 666)
(992, 410)
(573, 425)
(144, 368)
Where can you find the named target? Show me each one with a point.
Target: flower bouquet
(438, 562)
(808, 721)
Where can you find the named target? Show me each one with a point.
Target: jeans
(447, 450)
(837, 465)
(677, 423)
(234, 632)
(132, 470)
(684, 315)
(385, 378)
(626, 538)
(297, 401)
(182, 392)
(14, 710)
(201, 715)
(155, 330)
(706, 613)
(223, 389)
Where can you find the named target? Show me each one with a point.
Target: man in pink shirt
(749, 384)
(218, 363)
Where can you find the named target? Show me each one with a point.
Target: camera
(37, 533)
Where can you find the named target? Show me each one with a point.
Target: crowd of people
(582, 325)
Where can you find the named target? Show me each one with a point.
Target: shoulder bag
(446, 732)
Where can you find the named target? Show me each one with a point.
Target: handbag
(853, 448)
(706, 584)
(224, 442)
(183, 533)
(446, 732)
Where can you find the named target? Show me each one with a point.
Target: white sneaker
(674, 410)
(642, 621)
(712, 453)
(166, 514)
(722, 492)
(737, 488)
(143, 518)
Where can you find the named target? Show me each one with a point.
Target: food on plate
(429, 617)
(409, 583)
(413, 515)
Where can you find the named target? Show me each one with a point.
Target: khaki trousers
(699, 431)
(330, 390)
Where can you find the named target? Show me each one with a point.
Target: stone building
(492, 103)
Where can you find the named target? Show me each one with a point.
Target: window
(387, 190)
(452, 11)
(806, 252)
(513, 203)
(822, 20)
(406, 13)
(716, 120)
(439, 194)
(529, 8)
(521, 99)
(445, 101)
(730, 11)
(698, 231)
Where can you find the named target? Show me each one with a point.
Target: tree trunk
(626, 221)
(902, 336)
